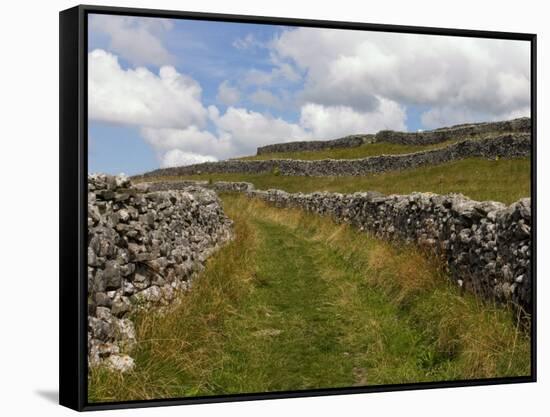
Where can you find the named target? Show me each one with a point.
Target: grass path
(288, 326)
(297, 302)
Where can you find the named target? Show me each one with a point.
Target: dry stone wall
(507, 146)
(486, 245)
(429, 137)
(218, 186)
(351, 141)
(143, 247)
(521, 125)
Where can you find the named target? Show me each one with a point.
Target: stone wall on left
(144, 246)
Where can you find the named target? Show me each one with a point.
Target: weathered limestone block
(144, 245)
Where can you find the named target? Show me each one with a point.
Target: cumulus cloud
(136, 39)
(177, 157)
(281, 71)
(266, 98)
(330, 122)
(238, 132)
(141, 97)
(167, 108)
(466, 76)
(190, 139)
(246, 129)
(228, 94)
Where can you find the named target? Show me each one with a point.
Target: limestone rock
(133, 231)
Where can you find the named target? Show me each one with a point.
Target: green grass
(298, 302)
(505, 180)
(363, 151)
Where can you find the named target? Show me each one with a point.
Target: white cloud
(140, 97)
(331, 122)
(136, 39)
(239, 132)
(282, 71)
(258, 77)
(168, 109)
(227, 94)
(246, 129)
(285, 72)
(248, 42)
(177, 157)
(190, 139)
(356, 68)
(266, 98)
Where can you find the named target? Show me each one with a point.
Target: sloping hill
(504, 180)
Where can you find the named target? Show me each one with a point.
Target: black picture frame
(73, 167)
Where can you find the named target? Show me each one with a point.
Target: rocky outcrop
(507, 146)
(143, 247)
(486, 245)
(464, 131)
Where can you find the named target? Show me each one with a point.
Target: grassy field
(363, 151)
(298, 302)
(505, 180)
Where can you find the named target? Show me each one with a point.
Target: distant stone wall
(351, 141)
(486, 245)
(143, 247)
(507, 146)
(521, 125)
(429, 137)
(219, 186)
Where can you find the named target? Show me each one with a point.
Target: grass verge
(298, 302)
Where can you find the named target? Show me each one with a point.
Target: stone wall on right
(429, 137)
(486, 245)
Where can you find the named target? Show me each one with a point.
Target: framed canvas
(260, 207)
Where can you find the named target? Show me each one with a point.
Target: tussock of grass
(505, 180)
(298, 302)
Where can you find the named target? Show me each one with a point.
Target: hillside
(361, 151)
(372, 158)
(501, 180)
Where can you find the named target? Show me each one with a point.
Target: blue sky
(174, 92)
